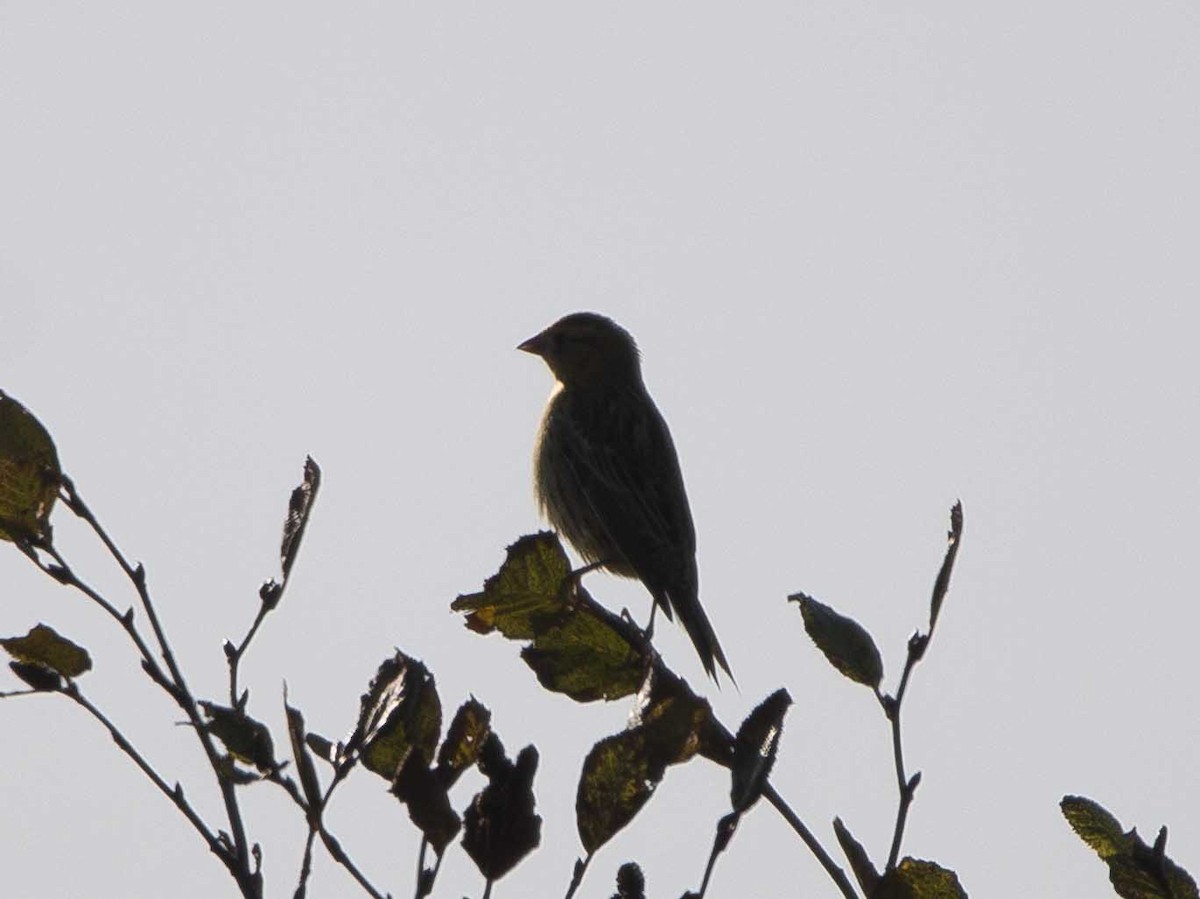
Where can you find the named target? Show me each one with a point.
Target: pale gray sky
(877, 258)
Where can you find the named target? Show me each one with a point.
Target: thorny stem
(248, 881)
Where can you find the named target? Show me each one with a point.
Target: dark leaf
(39, 677)
(500, 826)
(29, 474)
(942, 584)
(399, 712)
(916, 879)
(631, 883)
(1136, 870)
(864, 872)
(299, 508)
(247, 740)
(322, 747)
(464, 740)
(44, 646)
(755, 747)
(424, 793)
(621, 772)
(304, 763)
(844, 641)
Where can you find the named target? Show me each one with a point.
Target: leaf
(864, 871)
(631, 883)
(299, 508)
(844, 641)
(621, 772)
(1095, 825)
(29, 475)
(916, 879)
(247, 740)
(1136, 871)
(529, 582)
(754, 749)
(399, 712)
(304, 763)
(424, 793)
(942, 583)
(464, 740)
(500, 826)
(578, 647)
(45, 647)
(587, 653)
(322, 747)
(39, 677)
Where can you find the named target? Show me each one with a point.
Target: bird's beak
(535, 344)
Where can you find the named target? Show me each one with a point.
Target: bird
(606, 474)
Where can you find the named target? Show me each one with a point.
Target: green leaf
(1095, 825)
(916, 879)
(530, 582)
(587, 653)
(754, 749)
(399, 713)
(464, 740)
(942, 584)
(29, 475)
(245, 739)
(844, 641)
(45, 647)
(621, 772)
(1136, 871)
(500, 826)
(865, 872)
(578, 647)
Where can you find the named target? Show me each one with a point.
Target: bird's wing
(623, 460)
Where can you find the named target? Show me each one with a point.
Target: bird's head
(585, 349)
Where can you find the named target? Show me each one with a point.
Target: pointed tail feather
(704, 638)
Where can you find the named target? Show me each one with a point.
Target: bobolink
(606, 474)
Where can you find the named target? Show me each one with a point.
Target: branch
(830, 866)
(248, 881)
(917, 644)
(175, 794)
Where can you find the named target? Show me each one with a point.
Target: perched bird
(606, 474)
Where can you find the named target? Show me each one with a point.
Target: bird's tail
(704, 638)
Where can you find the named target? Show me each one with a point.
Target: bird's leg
(577, 575)
(648, 633)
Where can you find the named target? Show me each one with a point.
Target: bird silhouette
(606, 474)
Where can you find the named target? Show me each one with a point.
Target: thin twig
(65, 575)
(175, 794)
(830, 866)
(247, 882)
(235, 655)
(581, 866)
(891, 707)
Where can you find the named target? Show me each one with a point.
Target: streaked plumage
(606, 474)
